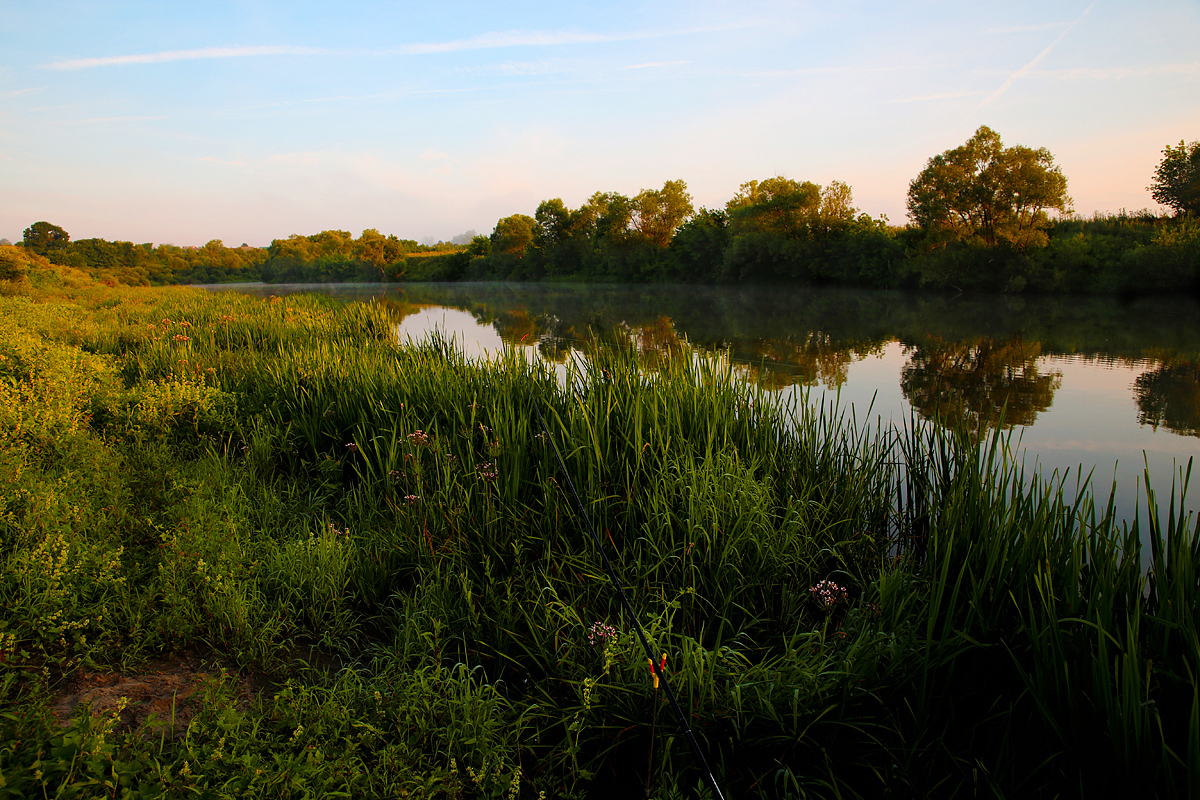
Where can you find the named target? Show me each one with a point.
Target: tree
(44, 238)
(513, 235)
(553, 222)
(987, 192)
(777, 205)
(659, 213)
(612, 213)
(1177, 180)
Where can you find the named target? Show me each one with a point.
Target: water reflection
(980, 382)
(1169, 396)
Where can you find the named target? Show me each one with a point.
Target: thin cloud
(1041, 26)
(1120, 73)
(98, 120)
(931, 97)
(843, 70)
(20, 92)
(650, 64)
(514, 68)
(215, 160)
(484, 41)
(498, 39)
(187, 55)
(1033, 63)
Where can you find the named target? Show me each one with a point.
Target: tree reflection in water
(978, 381)
(1169, 396)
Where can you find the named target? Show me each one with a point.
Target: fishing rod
(657, 667)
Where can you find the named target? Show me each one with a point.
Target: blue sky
(249, 121)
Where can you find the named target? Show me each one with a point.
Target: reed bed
(381, 534)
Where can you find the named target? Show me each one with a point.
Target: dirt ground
(162, 698)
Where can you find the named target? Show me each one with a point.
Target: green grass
(379, 535)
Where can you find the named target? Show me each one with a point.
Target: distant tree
(611, 213)
(1177, 180)
(837, 205)
(699, 246)
(5, 243)
(987, 192)
(44, 238)
(376, 252)
(553, 222)
(776, 205)
(658, 213)
(479, 245)
(513, 235)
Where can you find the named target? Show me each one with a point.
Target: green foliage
(987, 191)
(1176, 181)
(659, 212)
(45, 239)
(13, 264)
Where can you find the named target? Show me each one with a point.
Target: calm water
(1084, 384)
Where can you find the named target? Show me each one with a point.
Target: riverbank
(359, 562)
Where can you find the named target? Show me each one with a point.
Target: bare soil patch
(163, 698)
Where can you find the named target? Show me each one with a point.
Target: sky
(249, 121)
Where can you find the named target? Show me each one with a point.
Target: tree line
(332, 256)
(979, 220)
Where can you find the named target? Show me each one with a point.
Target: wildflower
(600, 633)
(411, 499)
(352, 447)
(486, 472)
(828, 595)
(418, 438)
(179, 337)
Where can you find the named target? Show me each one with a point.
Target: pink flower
(600, 632)
(828, 595)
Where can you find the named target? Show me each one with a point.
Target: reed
(846, 610)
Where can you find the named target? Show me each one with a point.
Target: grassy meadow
(367, 554)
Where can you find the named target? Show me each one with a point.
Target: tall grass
(279, 483)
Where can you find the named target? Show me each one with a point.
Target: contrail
(1004, 87)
